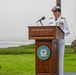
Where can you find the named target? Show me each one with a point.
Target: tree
(73, 45)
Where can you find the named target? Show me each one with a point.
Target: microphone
(40, 20)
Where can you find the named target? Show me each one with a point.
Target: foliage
(24, 49)
(69, 50)
(29, 49)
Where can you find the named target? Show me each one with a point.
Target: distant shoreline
(14, 44)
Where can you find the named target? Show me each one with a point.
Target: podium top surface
(45, 32)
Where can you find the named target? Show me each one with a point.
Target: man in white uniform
(61, 22)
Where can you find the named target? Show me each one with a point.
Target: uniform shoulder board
(63, 18)
(51, 18)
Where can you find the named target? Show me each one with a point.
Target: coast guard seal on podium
(43, 52)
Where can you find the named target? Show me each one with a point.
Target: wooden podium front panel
(49, 66)
(44, 67)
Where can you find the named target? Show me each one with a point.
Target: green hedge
(28, 49)
(24, 49)
(69, 50)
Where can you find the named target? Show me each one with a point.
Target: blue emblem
(43, 52)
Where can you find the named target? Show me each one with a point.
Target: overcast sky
(16, 15)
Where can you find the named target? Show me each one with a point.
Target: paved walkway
(69, 73)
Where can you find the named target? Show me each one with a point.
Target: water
(14, 44)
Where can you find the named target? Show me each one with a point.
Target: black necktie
(55, 19)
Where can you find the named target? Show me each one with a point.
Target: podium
(46, 48)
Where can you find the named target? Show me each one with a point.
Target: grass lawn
(70, 63)
(21, 60)
(24, 64)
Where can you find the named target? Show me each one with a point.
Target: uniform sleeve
(66, 29)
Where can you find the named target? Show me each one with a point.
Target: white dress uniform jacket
(61, 22)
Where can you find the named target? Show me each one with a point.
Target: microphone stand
(36, 23)
(40, 23)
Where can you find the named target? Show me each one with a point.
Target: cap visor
(54, 10)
